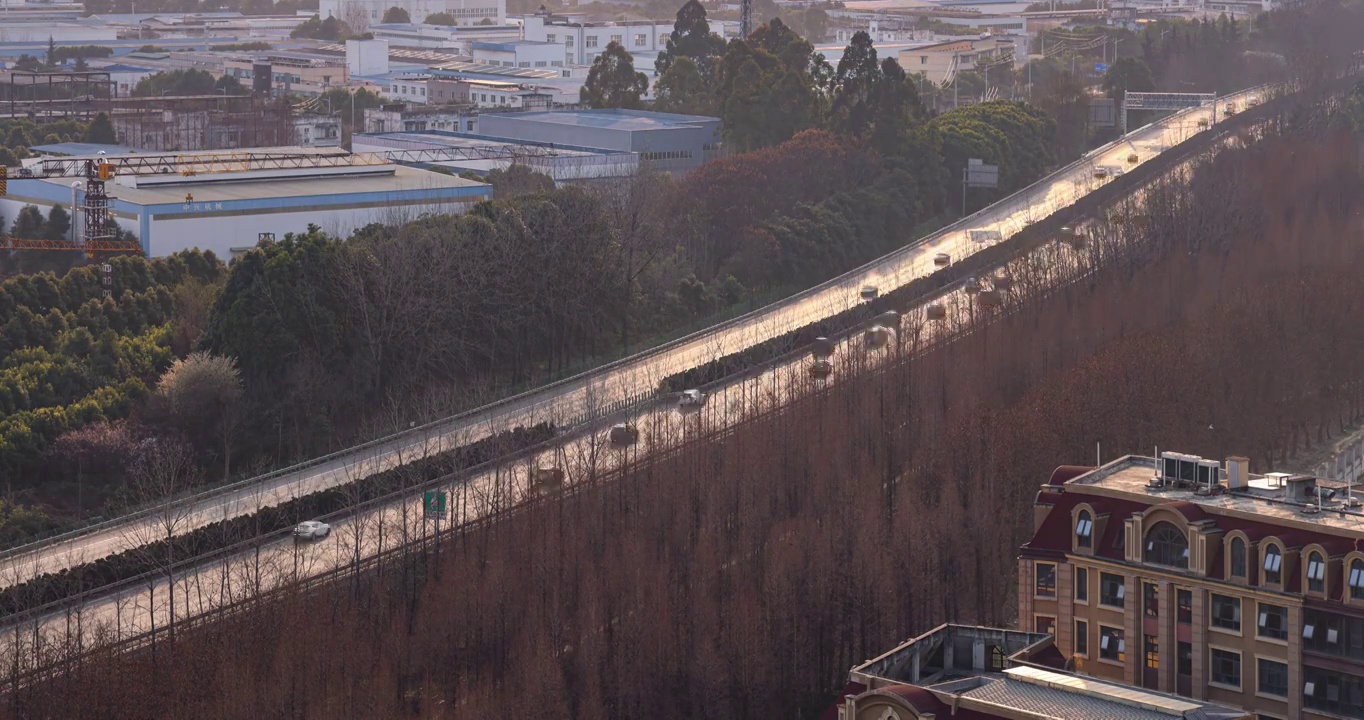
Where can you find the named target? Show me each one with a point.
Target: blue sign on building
(1100, 68)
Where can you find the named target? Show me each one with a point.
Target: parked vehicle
(312, 530)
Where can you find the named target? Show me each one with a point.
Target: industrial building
(482, 154)
(1185, 575)
(229, 208)
(360, 14)
(675, 143)
(982, 673)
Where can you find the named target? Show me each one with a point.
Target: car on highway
(312, 530)
(691, 399)
(869, 293)
(942, 259)
(1100, 172)
(821, 368)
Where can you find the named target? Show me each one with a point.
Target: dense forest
(742, 578)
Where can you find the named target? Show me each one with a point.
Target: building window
(1084, 530)
(1273, 564)
(541, 63)
(1045, 585)
(1273, 622)
(617, 39)
(1112, 588)
(1081, 637)
(1238, 558)
(1272, 678)
(663, 38)
(1166, 545)
(1151, 649)
(1184, 658)
(1226, 612)
(590, 41)
(641, 39)
(1150, 599)
(1333, 691)
(568, 41)
(1045, 625)
(551, 37)
(1111, 645)
(1184, 604)
(1356, 579)
(1226, 667)
(923, 59)
(1081, 584)
(1316, 573)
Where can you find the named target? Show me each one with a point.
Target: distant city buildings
(360, 14)
(1190, 576)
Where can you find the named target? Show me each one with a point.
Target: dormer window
(1316, 573)
(1166, 545)
(1238, 558)
(1084, 530)
(1273, 565)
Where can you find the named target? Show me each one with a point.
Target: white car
(691, 399)
(312, 530)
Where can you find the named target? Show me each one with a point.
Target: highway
(579, 397)
(585, 456)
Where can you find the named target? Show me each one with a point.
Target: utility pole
(745, 19)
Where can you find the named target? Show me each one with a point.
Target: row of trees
(743, 578)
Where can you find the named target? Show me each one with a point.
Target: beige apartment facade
(1183, 576)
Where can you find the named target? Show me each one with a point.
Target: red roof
(1055, 534)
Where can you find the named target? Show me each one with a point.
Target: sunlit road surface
(567, 401)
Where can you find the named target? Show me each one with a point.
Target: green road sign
(433, 501)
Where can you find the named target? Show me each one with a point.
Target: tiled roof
(1054, 537)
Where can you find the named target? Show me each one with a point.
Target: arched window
(1316, 572)
(1238, 558)
(1166, 545)
(1084, 530)
(1273, 565)
(1357, 579)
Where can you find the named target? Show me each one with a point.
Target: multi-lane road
(580, 396)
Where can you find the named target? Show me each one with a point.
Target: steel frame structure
(1166, 101)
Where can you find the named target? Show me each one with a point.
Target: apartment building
(1191, 576)
(941, 62)
(583, 42)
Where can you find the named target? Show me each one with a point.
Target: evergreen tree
(612, 82)
(101, 131)
(691, 37)
(58, 224)
(28, 224)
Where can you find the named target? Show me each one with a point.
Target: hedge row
(213, 538)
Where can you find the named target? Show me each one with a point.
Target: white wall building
(408, 89)
(367, 57)
(360, 14)
(525, 53)
(583, 42)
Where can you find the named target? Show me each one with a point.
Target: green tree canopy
(765, 91)
(691, 37)
(101, 131)
(58, 224)
(440, 18)
(612, 82)
(683, 89)
(396, 14)
(317, 29)
(28, 224)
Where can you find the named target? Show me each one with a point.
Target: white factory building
(360, 14)
(229, 212)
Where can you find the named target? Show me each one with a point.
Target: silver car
(312, 530)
